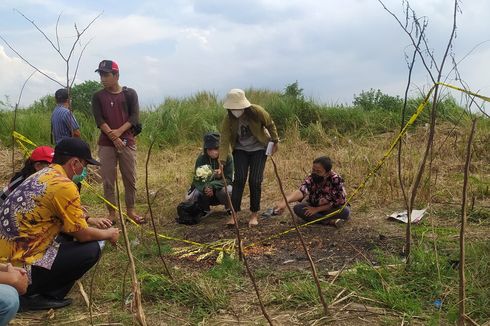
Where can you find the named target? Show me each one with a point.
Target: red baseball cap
(42, 153)
(108, 66)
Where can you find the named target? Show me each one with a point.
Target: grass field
(373, 287)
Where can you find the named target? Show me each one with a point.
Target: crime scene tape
(21, 139)
(380, 163)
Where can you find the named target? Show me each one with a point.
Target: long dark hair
(26, 171)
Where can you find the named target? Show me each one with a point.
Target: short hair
(61, 95)
(324, 161)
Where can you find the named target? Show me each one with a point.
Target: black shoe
(40, 302)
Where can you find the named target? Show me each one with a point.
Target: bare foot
(253, 219)
(230, 221)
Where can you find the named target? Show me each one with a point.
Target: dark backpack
(188, 213)
(138, 127)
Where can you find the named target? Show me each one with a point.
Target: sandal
(269, 212)
(139, 219)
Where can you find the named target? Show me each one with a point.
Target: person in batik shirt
(321, 193)
(38, 221)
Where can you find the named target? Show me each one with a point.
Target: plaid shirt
(330, 192)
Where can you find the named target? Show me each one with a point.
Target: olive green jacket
(261, 125)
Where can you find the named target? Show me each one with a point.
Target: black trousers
(73, 260)
(245, 162)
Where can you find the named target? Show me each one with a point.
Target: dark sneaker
(40, 302)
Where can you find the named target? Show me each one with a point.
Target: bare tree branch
(410, 35)
(15, 119)
(30, 64)
(42, 32)
(462, 294)
(56, 29)
(78, 64)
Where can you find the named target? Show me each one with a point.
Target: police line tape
(362, 185)
(21, 139)
(380, 163)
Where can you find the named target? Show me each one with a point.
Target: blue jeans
(9, 303)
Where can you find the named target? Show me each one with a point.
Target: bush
(375, 99)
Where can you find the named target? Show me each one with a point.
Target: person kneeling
(35, 221)
(321, 193)
(208, 187)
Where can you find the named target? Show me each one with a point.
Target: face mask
(317, 178)
(237, 113)
(78, 178)
(213, 153)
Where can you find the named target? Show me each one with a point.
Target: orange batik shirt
(31, 217)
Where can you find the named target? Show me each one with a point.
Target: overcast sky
(333, 48)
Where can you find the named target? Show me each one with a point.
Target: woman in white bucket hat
(246, 129)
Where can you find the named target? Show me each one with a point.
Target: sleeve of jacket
(134, 114)
(224, 148)
(198, 185)
(228, 169)
(269, 124)
(97, 110)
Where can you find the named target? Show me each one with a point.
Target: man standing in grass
(63, 122)
(116, 112)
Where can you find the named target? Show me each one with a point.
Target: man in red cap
(116, 112)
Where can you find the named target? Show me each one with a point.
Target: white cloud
(175, 48)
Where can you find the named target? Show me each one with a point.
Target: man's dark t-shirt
(112, 109)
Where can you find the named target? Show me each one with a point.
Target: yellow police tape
(21, 138)
(380, 163)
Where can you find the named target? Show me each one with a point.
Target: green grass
(413, 291)
(185, 120)
(202, 294)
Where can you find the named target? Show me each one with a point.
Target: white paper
(268, 151)
(415, 217)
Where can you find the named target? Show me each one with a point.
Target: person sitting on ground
(211, 191)
(321, 193)
(63, 122)
(40, 158)
(32, 219)
(13, 282)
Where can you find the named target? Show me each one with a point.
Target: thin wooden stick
(139, 313)
(14, 127)
(462, 294)
(148, 200)
(90, 301)
(123, 303)
(240, 251)
(305, 248)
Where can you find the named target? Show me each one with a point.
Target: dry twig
(300, 236)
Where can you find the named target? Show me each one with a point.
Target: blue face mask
(78, 178)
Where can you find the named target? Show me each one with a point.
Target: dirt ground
(331, 248)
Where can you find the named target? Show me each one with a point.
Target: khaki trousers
(109, 159)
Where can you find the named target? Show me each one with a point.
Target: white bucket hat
(236, 100)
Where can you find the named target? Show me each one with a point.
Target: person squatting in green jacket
(208, 189)
(246, 129)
